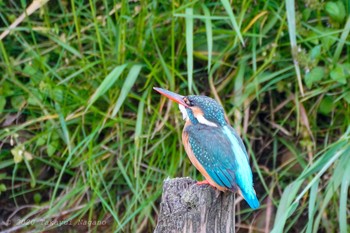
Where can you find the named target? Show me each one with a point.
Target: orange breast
(195, 161)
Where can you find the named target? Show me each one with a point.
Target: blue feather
(223, 155)
(251, 198)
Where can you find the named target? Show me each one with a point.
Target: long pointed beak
(171, 95)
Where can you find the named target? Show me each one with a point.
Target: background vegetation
(85, 138)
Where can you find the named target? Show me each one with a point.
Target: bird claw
(212, 185)
(207, 183)
(203, 182)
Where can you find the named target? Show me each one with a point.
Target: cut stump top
(188, 207)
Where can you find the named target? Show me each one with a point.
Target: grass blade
(140, 112)
(78, 72)
(106, 84)
(341, 43)
(163, 63)
(189, 47)
(212, 17)
(293, 40)
(312, 204)
(333, 185)
(319, 174)
(229, 11)
(109, 208)
(64, 127)
(284, 206)
(343, 206)
(32, 176)
(129, 82)
(34, 6)
(209, 32)
(66, 46)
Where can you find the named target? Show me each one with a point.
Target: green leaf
(17, 101)
(336, 11)
(326, 105)
(315, 75)
(2, 103)
(347, 97)
(41, 141)
(106, 84)
(129, 82)
(51, 148)
(315, 53)
(37, 198)
(34, 74)
(2, 188)
(306, 13)
(341, 72)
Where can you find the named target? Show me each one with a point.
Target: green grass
(83, 137)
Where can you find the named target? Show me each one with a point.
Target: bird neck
(190, 117)
(194, 120)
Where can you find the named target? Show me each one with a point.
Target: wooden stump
(188, 207)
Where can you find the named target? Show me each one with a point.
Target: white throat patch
(199, 117)
(183, 111)
(204, 121)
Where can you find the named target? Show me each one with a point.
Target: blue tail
(251, 199)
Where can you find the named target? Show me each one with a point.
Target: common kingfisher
(213, 146)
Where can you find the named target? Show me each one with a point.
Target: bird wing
(213, 150)
(219, 153)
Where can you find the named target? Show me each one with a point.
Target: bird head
(197, 108)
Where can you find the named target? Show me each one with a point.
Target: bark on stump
(188, 207)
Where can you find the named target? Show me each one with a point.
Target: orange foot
(203, 182)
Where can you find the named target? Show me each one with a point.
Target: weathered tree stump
(188, 207)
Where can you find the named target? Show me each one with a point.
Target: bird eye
(187, 101)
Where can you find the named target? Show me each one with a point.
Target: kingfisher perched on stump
(213, 146)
